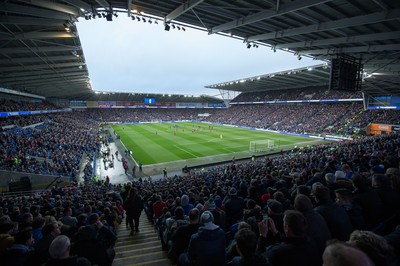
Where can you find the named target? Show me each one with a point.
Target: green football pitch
(192, 142)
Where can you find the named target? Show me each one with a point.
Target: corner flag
(220, 136)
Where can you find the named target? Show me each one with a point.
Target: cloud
(130, 56)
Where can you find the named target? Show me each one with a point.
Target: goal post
(261, 145)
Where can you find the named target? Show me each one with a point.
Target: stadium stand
(253, 203)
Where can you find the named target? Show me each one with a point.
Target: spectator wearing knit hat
(207, 246)
(186, 205)
(219, 215)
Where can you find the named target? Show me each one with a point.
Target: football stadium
(295, 166)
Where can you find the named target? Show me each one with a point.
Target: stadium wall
(38, 181)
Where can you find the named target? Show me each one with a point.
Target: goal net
(261, 145)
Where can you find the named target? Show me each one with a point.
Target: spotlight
(179, 28)
(173, 26)
(109, 17)
(167, 27)
(248, 46)
(150, 21)
(86, 17)
(99, 15)
(183, 29)
(144, 20)
(138, 18)
(116, 15)
(104, 15)
(155, 22)
(299, 57)
(66, 27)
(133, 17)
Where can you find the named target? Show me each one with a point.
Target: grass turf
(154, 143)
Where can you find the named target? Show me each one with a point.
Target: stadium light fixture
(66, 27)
(167, 27)
(109, 17)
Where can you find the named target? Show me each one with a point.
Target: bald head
(345, 255)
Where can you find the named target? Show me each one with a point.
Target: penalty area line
(186, 151)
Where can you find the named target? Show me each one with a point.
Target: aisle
(143, 248)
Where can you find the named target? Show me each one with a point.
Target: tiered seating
(144, 248)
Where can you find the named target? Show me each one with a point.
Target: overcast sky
(131, 56)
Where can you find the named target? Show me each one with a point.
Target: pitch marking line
(186, 151)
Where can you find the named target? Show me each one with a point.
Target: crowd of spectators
(302, 194)
(10, 105)
(307, 93)
(55, 147)
(268, 211)
(70, 224)
(45, 144)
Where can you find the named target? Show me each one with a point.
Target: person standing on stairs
(133, 206)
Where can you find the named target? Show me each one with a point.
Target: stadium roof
(40, 50)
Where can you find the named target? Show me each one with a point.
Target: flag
(220, 136)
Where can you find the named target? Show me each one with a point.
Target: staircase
(143, 248)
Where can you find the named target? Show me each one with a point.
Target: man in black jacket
(295, 248)
(182, 235)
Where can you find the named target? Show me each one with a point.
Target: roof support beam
(129, 7)
(186, 6)
(54, 6)
(330, 25)
(357, 49)
(38, 59)
(341, 40)
(38, 35)
(104, 4)
(33, 78)
(267, 14)
(19, 20)
(34, 67)
(39, 72)
(35, 12)
(44, 49)
(381, 4)
(79, 4)
(56, 80)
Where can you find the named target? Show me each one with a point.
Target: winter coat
(207, 247)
